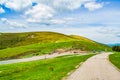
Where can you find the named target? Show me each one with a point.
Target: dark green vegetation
(116, 48)
(36, 43)
(115, 59)
(50, 69)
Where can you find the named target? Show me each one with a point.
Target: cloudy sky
(98, 20)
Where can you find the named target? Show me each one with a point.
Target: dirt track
(37, 58)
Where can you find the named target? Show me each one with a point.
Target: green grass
(115, 59)
(42, 69)
(8, 40)
(45, 48)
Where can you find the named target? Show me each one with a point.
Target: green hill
(19, 39)
(15, 45)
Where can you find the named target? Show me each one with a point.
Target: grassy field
(50, 69)
(45, 48)
(115, 59)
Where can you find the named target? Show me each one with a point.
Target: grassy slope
(115, 59)
(90, 43)
(45, 48)
(8, 40)
(19, 39)
(35, 49)
(46, 42)
(42, 69)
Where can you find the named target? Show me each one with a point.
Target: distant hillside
(19, 39)
(15, 45)
(92, 45)
(8, 40)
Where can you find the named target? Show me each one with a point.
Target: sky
(98, 20)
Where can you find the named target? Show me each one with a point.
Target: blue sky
(98, 20)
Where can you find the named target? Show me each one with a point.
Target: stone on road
(97, 67)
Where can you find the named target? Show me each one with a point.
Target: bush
(116, 48)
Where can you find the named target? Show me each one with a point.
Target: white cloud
(62, 5)
(67, 4)
(57, 21)
(118, 35)
(17, 5)
(2, 1)
(62, 21)
(93, 6)
(109, 31)
(45, 10)
(59, 5)
(2, 10)
(69, 18)
(13, 24)
(39, 13)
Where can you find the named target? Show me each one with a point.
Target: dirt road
(96, 68)
(37, 58)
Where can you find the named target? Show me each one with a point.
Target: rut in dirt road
(96, 68)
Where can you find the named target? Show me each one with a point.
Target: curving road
(97, 67)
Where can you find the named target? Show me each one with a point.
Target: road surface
(97, 67)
